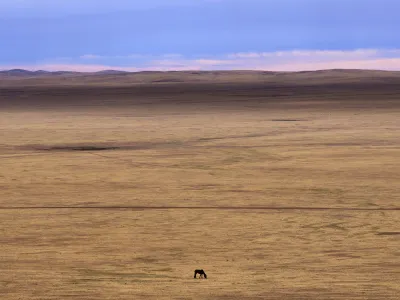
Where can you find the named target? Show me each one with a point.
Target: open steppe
(278, 185)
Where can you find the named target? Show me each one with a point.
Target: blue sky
(90, 35)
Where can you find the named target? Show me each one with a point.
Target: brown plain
(278, 185)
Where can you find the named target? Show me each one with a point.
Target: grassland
(278, 189)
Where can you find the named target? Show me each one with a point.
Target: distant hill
(21, 72)
(110, 72)
(20, 77)
(27, 73)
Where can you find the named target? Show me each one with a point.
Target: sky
(135, 35)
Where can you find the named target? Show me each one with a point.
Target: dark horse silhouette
(200, 272)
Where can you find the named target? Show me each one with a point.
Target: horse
(201, 273)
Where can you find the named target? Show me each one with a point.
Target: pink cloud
(389, 64)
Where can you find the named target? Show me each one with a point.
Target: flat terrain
(279, 188)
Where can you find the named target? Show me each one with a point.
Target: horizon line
(188, 70)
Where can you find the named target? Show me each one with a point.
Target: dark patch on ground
(168, 80)
(388, 233)
(287, 120)
(80, 148)
(76, 147)
(92, 147)
(241, 96)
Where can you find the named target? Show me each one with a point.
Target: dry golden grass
(342, 157)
